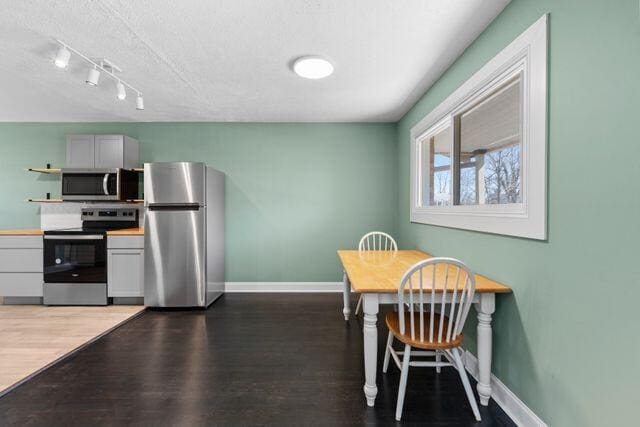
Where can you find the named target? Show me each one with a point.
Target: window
(479, 159)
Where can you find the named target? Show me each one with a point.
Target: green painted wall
(566, 340)
(295, 192)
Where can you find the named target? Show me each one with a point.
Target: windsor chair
(448, 286)
(375, 241)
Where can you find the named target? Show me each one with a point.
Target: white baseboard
(283, 287)
(517, 410)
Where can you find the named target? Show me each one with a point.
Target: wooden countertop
(127, 232)
(20, 232)
(381, 271)
(124, 232)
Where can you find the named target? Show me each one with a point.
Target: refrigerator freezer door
(175, 257)
(174, 183)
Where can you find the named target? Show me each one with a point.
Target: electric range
(75, 259)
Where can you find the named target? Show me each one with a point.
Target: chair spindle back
(450, 286)
(377, 241)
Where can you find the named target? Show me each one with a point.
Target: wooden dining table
(376, 275)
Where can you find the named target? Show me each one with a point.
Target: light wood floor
(33, 336)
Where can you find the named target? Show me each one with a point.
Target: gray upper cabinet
(80, 151)
(102, 151)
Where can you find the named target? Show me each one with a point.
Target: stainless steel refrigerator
(183, 234)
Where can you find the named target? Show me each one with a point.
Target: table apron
(393, 298)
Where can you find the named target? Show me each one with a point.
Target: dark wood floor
(251, 359)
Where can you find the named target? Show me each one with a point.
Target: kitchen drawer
(21, 260)
(21, 284)
(34, 242)
(125, 242)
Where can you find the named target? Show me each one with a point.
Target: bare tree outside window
(502, 176)
(441, 184)
(467, 185)
(436, 150)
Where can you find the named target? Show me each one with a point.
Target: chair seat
(393, 323)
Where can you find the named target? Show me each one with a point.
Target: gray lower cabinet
(21, 272)
(126, 273)
(21, 266)
(125, 266)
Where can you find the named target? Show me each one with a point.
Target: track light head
(122, 93)
(139, 102)
(93, 77)
(62, 57)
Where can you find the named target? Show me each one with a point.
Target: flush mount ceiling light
(312, 67)
(98, 65)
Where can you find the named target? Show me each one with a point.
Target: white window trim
(527, 54)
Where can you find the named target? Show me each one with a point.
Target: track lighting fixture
(100, 65)
(93, 76)
(62, 57)
(122, 94)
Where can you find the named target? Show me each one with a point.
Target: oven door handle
(73, 237)
(104, 184)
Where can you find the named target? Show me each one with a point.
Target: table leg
(485, 309)
(370, 331)
(346, 292)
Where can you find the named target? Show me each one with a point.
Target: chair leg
(465, 383)
(359, 305)
(438, 360)
(387, 353)
(403, 381)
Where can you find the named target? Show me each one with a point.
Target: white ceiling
(229, 60)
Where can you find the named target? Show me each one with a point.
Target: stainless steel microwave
(99, 184)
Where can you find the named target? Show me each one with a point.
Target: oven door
(75, 259)
(103, 185)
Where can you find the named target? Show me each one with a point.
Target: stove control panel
(109, 214)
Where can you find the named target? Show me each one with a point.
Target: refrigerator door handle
(174, 207)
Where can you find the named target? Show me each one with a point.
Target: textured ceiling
(229, 60)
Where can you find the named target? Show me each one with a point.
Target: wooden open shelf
(46, 200)
(81, 201)
(45, 170)
(59, 171)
